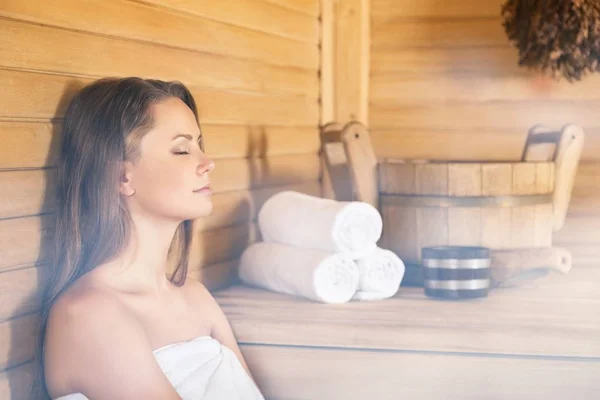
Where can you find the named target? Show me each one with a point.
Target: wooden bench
(537, 342)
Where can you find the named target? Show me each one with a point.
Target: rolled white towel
(313, 274)
(380, 274)
(301, 220)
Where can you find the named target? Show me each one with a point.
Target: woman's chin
(205, 210)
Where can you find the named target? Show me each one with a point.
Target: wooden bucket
(498, 205)
(495, 205)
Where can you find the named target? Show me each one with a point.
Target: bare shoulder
(201, 298)
(197, 293)
(94, 346)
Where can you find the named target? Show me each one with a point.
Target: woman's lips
(204, 190)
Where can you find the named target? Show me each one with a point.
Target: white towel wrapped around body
(201, 368)
(380, 274)
(313, 274)
(302, 220)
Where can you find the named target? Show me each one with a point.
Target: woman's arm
(96, 348)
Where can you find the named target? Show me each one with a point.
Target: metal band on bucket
(475, 263)
(458, 285)
(466, 201)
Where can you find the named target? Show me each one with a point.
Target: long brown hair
(103, 126)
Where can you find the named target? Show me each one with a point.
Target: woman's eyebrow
(185, 135)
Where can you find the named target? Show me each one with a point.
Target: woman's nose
(206, 165)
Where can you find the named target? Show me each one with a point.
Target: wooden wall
(445, 84)
(252, 66)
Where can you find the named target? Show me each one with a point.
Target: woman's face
(172, 167)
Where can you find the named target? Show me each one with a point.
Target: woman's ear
(125, 183)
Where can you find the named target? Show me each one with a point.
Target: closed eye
(180, 153)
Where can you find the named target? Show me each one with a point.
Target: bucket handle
(566, 155)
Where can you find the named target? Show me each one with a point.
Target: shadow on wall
(26, 315)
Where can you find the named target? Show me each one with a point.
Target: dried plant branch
(557, 37)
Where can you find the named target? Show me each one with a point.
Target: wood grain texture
(309, 7)
(464, 87)
(17, 340)
(108, 56)
(382, 9)
(25, 241)
(282, 372)
(351, 49)
(145, 23)
(21, 291)
(391, 34)
(555, 316)
(483, 61)
(499, 115)
(465, 144)
(50, 94)
(256, 15)
(327, 66)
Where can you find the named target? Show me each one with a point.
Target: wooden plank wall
(252, 66)
(445, 84)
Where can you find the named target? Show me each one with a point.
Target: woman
(132, 177)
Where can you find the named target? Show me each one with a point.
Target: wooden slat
(28, 145)
(21, 291)
(499, 115)
(35, 144)
(351, 49)
(394, 34)
(556, 317)
(466, 144)
(239, 174)
(256, 15)
(464, 223)
(15, 383)
(27, 192)
(156, 25)
(497, 180)
(584, 229)
(49, 96)
(25, 241)
(584, 205)
(309, 7)
(217, 276)
(381, 9)
(585, 198)
(585, 255)
(114, 57)
(425, 88)
(232, 141)
(486, 61)
(327, 67)
(282, 372)
(17, 340)
(219, 245)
